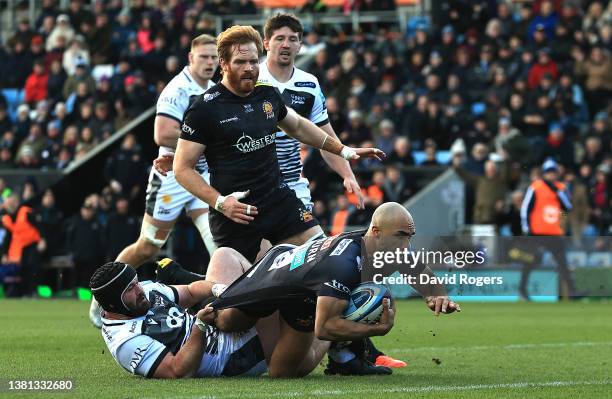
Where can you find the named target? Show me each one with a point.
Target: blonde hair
(238, 34)
(203, 39)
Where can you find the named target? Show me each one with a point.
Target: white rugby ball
(366, 303)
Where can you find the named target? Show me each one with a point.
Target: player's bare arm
(308, 133)
(185, 159)
(166, 131)
(331, 326)
(342, 168)
(187, 360)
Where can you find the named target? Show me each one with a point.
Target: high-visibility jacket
(23, 233)
(542, 208)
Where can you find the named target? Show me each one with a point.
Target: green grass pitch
(524, 350)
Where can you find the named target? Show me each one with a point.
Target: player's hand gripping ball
(366, 303)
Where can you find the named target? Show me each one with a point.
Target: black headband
(109, 295)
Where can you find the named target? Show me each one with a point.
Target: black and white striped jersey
(301, 92)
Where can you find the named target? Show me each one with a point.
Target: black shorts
(282, 217)
(298, 313)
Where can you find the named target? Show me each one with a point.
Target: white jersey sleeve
(319, 116)
(141, 355)
(172, 103)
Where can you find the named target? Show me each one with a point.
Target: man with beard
(166, 198)
(149, 332)
(234, 124)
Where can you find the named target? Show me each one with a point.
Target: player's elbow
(322, 332)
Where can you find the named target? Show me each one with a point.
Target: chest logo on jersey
(297, 100)
(246, 144)
(268, 109)
(209, 96)
(247, 108)
(232, 119)
(305, 84)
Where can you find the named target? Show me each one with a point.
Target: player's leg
(315, 355)
(291, 350)
(153, 236)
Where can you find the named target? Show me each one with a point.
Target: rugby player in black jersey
(234, 124)
(310, 286)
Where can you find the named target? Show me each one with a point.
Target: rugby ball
(366, 303)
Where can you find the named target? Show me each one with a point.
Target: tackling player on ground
(149, 332)
(165, 197)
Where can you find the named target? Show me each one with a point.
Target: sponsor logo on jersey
(246, 144)
(137, 357)
(299, 100)
(268, 109)
(187, 129)
(341, 247)
(338, 286)
(328, 242)
(232, 119)
(305, 215)
(133, 326)
(210, 96)
(312, 85)
(298, 259)
(247, 108)
(169, 100)
(163, 211)
(107, 334)
(151, 322)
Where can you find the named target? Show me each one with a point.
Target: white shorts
(300, 187)
(166, 198)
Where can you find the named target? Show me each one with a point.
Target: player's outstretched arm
(308, 133)
(342, 168)
(331, 326)
(435, 295)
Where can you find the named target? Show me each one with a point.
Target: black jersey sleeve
(194, 126)
(344, 273)
(282, 108)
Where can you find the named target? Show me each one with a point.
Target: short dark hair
(105, 273)
(280, 21)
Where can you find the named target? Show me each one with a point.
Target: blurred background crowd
(490, 88)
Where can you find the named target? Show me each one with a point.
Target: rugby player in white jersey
(149, 332)
(301, 91)
(165, 197)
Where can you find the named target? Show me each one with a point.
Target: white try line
(499, 347)
(418, 389)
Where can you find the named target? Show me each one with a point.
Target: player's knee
(153, 236)
(146, 248)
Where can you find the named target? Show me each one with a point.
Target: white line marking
(500, 347)
(417, 389)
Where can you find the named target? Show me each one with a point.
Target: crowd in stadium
(490, 88)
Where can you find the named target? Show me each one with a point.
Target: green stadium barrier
(84, 294)
(44, 291)
(1, 291)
